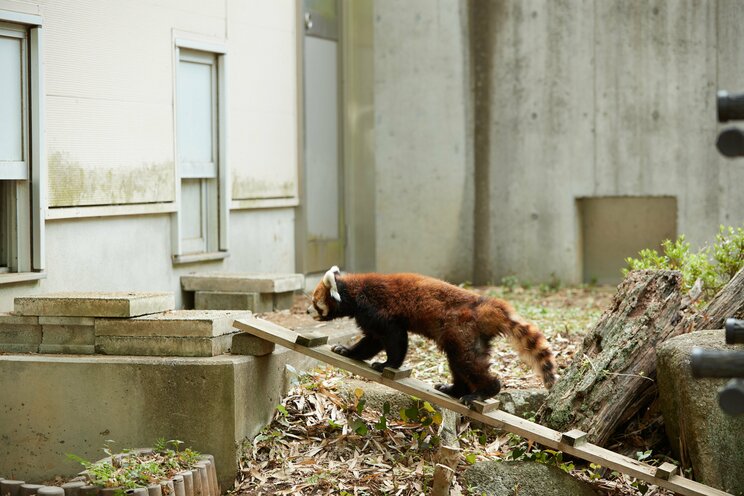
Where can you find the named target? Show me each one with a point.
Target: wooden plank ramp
(572, 442)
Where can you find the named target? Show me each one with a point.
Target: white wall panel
(263, 95)
(110, 93)
(108, 152)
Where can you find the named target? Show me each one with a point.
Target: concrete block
(243, 283)
(283, 301)
(216, 402)
(18, 348)
(20, 334)
(178, 323)
(68, 335)
(164, 345)
(247, 344)
(711, 439)
(9, 319)
(219, 300)
(67, 349)
(94, 304)
(67, 321)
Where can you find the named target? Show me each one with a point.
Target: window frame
(28, 186)
(184, 49)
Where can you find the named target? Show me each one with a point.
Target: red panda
(388, 306)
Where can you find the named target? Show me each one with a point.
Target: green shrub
(712, 266)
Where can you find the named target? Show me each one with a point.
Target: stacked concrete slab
(254, 292)
(141, 370)
(114, 324)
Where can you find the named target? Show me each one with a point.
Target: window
(200, 148)
(21, 148)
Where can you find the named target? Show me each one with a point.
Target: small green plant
(426, 419)
(510, 282)
(523, 450)
(132, 469)
(713, 266)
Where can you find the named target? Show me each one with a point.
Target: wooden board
(498, 418)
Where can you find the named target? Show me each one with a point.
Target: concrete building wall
(132, 253)
(424, 177)
(109, 95)
(598, 99)
(560, 101)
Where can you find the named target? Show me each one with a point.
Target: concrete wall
(54, 405)
(595, 99)
(109, 77)
(424, 175)
(569, 99)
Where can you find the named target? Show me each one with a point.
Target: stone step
(242, 283)
(164, 345)
(19, 334)
(219, 300)
(176, 323)
(95, 304)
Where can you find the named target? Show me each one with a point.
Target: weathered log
(613, 376)
(729, 302)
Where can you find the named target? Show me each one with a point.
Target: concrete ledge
(219, 300)
(53, 405)
(243, 283)
(163, 346)
(178, 323)
(94, 304)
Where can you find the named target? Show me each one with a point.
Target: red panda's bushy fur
(460, 322)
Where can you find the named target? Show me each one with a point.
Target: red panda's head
(325, 297)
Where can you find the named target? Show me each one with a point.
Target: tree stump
(613, 376)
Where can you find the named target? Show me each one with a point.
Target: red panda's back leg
(469, 360)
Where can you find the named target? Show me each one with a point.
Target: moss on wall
(248, 188)
(72, 184)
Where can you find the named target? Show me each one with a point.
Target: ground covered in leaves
(324, 442)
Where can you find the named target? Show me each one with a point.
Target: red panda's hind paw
(468, 399)
(378, 366)
(448, 389)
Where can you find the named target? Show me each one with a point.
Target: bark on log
(729, 302)
(613, 376)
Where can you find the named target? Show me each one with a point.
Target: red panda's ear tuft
(329, 281)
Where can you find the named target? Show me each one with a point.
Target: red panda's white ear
(329, 281)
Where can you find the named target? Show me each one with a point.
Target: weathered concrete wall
(133, 254)
(424, 176)
(591, 99)
(54, 405)
(568, 100)
(730, 77)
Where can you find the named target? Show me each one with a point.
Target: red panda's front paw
(340, 349)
